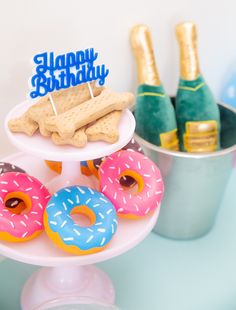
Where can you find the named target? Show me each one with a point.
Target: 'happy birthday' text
(63, 71)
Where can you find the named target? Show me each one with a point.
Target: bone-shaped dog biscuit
(23, 124)
(67, 123)
(64, 100)
(79, 139)
(105, 128)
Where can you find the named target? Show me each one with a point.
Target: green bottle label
(193, 89)
(151, 94)
(198, 117)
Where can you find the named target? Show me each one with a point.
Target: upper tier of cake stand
(44, 148)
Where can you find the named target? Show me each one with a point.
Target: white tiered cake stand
(66, 278)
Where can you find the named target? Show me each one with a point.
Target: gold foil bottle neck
(141, 43)
(186, 34)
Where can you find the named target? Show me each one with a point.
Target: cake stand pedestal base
(70, 175)
(62, 285)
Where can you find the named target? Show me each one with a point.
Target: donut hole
(131, 181)
(17, 202)
(13, 203)
(83, 216)
(128, 182)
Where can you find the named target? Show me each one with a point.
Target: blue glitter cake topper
(66, 70)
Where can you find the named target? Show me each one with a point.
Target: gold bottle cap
(141, 43)
(186, 34)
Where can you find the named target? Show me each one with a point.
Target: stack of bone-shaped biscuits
(79, 118)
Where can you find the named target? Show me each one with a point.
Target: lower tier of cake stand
(56, 286)
(67, 278)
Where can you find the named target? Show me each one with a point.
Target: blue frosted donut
(72, 237)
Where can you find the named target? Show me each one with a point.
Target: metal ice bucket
(194, 183)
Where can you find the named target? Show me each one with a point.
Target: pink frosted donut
(146, 174)
(29, 223)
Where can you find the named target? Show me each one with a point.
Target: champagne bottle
(197, 112)
(154, 112)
